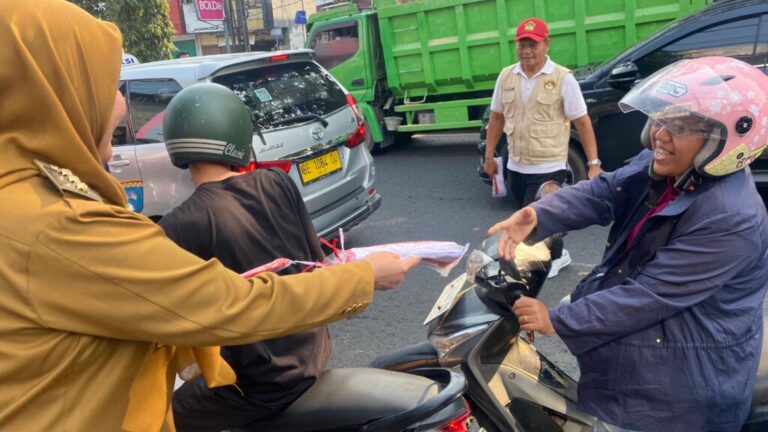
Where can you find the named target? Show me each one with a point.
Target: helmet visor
(683, 124)
(668, 102)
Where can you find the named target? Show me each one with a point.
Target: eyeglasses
(682, 125)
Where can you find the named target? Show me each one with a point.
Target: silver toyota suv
(305, 123)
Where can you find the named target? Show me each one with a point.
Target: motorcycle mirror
(510, 269)
(490, 245)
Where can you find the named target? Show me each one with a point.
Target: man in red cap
(534, 102)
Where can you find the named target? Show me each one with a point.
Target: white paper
(447, 298)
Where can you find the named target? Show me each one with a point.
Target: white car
(306, 123)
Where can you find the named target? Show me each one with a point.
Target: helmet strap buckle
(689, 181)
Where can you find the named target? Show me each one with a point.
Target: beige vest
(537, 132)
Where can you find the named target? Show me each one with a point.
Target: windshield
(278, 93)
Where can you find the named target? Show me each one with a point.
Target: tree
(145, 24)
(94, 7)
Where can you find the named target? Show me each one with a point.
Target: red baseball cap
(532, 28)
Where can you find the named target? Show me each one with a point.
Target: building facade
(265, 25)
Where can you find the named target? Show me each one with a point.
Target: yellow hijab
(59, 69)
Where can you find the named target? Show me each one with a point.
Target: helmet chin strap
(652, 173)
(658, 185)
(685, 183)
(692, 178)
(689, 181)
(657, 188)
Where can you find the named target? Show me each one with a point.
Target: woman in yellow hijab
(94, 296)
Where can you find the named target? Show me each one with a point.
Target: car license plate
(447, 298)
(321, 166)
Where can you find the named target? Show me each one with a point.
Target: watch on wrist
(594, 162)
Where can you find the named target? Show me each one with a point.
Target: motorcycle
(511, 385)
(375, 400)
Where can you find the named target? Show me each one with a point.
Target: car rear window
(147, 100)
(275, 94)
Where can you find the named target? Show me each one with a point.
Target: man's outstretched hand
(516, 229)
(389, 269)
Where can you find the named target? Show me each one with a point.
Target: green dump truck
(431, 65)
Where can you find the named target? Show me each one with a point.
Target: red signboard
(210, 10)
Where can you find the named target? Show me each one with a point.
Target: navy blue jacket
(667, 331)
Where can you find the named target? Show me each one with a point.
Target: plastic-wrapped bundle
(441, 256)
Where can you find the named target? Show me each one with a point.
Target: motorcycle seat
(408, 358)
(347, 398)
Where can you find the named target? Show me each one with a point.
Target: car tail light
(284, 165)
(248, 168)
(279, 57)
(357, 136)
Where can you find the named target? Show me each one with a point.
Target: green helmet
(208, 123)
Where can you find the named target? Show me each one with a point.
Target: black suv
(735, 28)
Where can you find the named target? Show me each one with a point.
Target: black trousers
(523, 188)
(197, 408)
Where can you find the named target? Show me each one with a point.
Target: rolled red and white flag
(499, 188)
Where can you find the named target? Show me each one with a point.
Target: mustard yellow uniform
(94, 299)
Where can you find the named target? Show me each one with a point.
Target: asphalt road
(431, 191)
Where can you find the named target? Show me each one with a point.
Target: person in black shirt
(244, 220)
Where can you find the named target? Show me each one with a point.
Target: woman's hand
(389, 269)
(533, 315)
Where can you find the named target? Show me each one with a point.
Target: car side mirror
(623, 75)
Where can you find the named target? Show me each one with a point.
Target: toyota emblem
(317, 133)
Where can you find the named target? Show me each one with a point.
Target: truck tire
(403, 138)
(576, 166)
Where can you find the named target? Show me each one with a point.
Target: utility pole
(266, 16)
(242, 17)
(227, 26)
(304, 25)
(266, 13)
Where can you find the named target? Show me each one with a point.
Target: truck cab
(346, 41)
(422, 65)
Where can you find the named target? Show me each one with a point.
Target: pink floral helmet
(723, 99)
